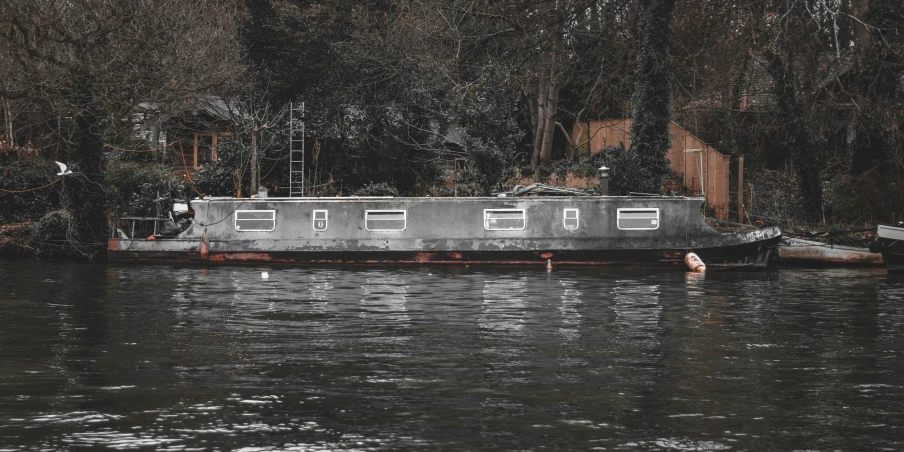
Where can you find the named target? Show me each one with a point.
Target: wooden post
(748, 206)
(741, 189)
(196, 151)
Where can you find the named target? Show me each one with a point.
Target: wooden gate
(686, 155)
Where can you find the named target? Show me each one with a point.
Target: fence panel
(686, 155)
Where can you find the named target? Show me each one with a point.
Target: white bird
(63, 170)
(265, 275)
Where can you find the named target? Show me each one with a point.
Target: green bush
(377, 189)
(219, 178)
(627, 174)
(27, 173)
(133, 187)
(867, 198)
(489, 167)
(52, 233)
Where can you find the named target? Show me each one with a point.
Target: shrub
(378, 189)
(16, 238)
(867, 197)
(134, 187)
(27, 173)
(223, 177)
(489, 166)
(51, 235)
(627, 173)
(777, 198)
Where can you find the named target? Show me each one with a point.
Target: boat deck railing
(143, 227)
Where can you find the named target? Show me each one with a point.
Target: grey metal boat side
(597, 230)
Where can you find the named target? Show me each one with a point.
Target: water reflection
(503, 308)
(183, 358)
(384, 301)
(637, 311)
(571, 318)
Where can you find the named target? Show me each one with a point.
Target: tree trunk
(8, 136)
(541, 103)
(254, 175)
(651, 115)
(83, 191)
(547, 94)
(798, 141)
(860, 9)
(552, 107)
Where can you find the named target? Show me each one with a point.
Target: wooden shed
(687, 154)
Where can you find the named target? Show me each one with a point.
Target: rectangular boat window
(504, 220)
(385, 220)
(320, 220)
(571, 219)
(255, 220)
(642, 218)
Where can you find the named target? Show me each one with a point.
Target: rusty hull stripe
(240, 258)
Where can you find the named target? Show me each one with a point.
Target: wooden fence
(686, 153)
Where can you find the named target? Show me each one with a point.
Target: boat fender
(204, 246)
(548, 264)
(694, 263)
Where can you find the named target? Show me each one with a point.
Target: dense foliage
(135, 188)
(18, 176)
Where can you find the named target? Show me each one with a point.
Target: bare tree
(93, 62)
(254, 115)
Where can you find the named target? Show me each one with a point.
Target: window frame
(577, 218)
(486, 225)
(404, 219)
(235, 217)
(638, 209)
(326, 219)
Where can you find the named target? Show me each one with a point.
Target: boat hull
(890, 242)
(727, 252)
(456, 232)
(806, 253)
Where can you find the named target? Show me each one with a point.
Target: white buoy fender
(694, 263)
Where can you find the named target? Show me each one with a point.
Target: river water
(438, 358)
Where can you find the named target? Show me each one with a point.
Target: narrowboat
(890, 242)
(541, 230)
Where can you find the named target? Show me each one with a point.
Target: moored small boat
(560, 230)
(890, 242)
(808, 253)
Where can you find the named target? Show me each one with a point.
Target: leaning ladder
(296, 150)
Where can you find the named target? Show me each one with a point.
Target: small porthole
(571, 219)
(321, 220)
